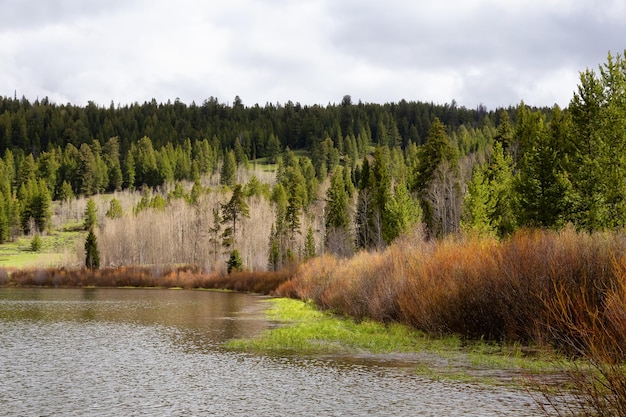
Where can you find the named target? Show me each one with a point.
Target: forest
(304, 180)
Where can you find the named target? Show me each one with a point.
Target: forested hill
(41, 125)
(464, 170)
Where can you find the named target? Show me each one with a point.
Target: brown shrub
(477, 287)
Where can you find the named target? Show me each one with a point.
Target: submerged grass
(305, 330)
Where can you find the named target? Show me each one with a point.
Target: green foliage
(402, 213)
(436, 150)
(130, 172)
(35, 201)
(234, 263)
(337, 202)
(256, 188)
(156, 202)
(66, 194)
(145, 163)
(597, 163)
(273, 148)
(229, 169)
(115, 210)
(196, 191)
(568, 165)
(92, 254)
(91, 215)
(35, 243)
(542, 184)
(232, 213)
(488, 206)
(309, 244)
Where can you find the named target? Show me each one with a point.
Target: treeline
(56, 152)
(368, 172)
(42, 125)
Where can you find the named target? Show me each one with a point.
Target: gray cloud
(474, 51)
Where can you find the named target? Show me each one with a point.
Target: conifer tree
(229, 169)
(92, 254)
(489, 204)
(234, 263)
(436, 181)
(597, 163)
(232, 213)
(337, 237)
(129, 170)
(309, 244)
(91, 215)
(477, 206)
(115, 210)
(402, 213)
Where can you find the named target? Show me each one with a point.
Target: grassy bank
(304, 329)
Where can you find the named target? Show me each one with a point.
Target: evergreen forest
(305, 180)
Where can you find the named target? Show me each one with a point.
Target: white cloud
(474, 51)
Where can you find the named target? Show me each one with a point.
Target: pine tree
(35, 244)
(91, 215)
(338, 239)
(504, 132)
(273, 148)
(274, 258)
(541, 184)
(115, 210)
(66, 194)
(4, 219)
(309, 244)
(234, 263)
(229, 169)
(437, 182)
(214, 234)
(596, 162)
(488, 206)
(129, 170)
(87, 171)
(34, 205)
(232, 214)
(477, 206)
(402, 213)
(337, 202)
(92, 254)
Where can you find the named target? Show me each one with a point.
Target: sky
(494, 53)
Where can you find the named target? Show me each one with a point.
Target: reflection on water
(156, 352)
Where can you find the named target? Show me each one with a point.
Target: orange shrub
(476, 287)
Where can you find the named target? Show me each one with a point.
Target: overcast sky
(491, 52)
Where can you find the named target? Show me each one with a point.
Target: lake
(152, 352)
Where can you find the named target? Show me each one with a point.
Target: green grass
(303, 329)
(17, 254)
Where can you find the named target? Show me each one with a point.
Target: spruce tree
(92, 254)
(115, 210)
(232, 214)
(234, 263)
(91, 215)
(229, 169)
(402, 213)
(309, 244)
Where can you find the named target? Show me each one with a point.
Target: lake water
(114, 352)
